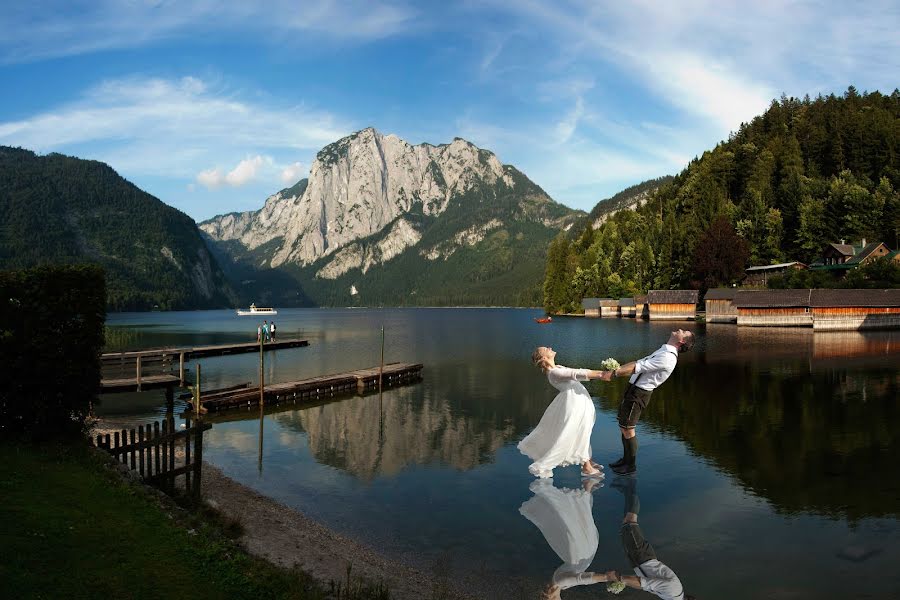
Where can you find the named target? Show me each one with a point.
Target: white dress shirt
(660, 580)
(651, 371)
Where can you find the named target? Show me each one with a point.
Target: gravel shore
(288, 538)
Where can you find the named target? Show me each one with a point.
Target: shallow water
(768, 461)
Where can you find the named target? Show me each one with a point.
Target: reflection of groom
(651, 575)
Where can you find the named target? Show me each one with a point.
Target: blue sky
(212, 106)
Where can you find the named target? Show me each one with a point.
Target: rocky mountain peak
(357, 186)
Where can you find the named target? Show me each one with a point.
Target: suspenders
(640, 374)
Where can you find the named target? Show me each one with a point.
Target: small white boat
(255, 310)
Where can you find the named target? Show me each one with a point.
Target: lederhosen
(634, 401)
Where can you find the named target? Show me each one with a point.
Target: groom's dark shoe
(625, 469)
(618, 463)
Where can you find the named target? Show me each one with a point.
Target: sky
(212, 106)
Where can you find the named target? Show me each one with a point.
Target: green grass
(73, 528)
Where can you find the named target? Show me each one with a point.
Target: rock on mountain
(371, 199)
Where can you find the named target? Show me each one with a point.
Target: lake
(768, 463)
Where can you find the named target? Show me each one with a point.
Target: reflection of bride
(564, 517)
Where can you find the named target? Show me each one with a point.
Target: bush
(51, 335)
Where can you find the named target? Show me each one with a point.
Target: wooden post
(181, 369)
(262, 385)
(198, 458)
(197, 393)
(141, 451)
(187, 458)
(138, 376)
(156, 446)
(132, 450)
(165, 456)
(381, 367)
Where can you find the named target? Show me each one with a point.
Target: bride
(563, 437)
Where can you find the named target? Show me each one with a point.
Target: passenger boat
(255, 310)
(543, 320)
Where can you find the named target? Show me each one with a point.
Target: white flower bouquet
(615, 587)
(610, 364)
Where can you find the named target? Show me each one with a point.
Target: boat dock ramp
(148, 369)
(313, 388)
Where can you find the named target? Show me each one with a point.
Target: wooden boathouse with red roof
(609, 307)
(843, 310)
(627, 308)
(773, 308)
(673, 305)
(720, 305)
(641, 308)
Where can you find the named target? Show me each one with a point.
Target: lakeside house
(673, 305)
(843, 257)
(591, 307)
(843, 310)
(609, 307)
(773, 308)
(627, 308)
(720, 307)
(759, 276)
(641, 308)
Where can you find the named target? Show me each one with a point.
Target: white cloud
(174, 128)
(292, 173)
(246, 171)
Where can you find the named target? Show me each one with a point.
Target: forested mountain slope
(60, 209)
(803, 174)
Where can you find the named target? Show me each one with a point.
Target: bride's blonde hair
(539, 358)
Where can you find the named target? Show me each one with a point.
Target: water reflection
(564, 516)
(367, 437)
(650, 574)
(811, 430)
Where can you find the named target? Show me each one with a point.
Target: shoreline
(288, 538)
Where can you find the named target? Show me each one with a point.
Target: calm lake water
(768, 461)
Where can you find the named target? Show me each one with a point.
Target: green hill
(60, 209)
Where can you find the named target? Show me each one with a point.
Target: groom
(645, 375)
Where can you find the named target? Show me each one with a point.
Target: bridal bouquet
(610, 364)
(615, 587)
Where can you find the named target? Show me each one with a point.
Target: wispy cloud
(60, 28)
(174, 128)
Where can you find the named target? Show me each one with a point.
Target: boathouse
(673, 305)
(759, 276)
(641, 308)
(773, 308)
(842, 310)
(591, 307)
(720, 306)
(627, 308)
(609, 307)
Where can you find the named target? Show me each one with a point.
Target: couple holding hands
(563, 436)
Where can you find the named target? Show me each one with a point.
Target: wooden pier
(149, 369)
(314, 388)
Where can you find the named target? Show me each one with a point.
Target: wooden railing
(160, 453)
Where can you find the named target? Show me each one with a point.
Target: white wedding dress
(563, 437)
(564, 517)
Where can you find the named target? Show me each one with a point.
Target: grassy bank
(73, 528)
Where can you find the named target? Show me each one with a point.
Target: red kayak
(543, 320)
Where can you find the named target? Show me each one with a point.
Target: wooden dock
(314, 388)
(139, 370)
